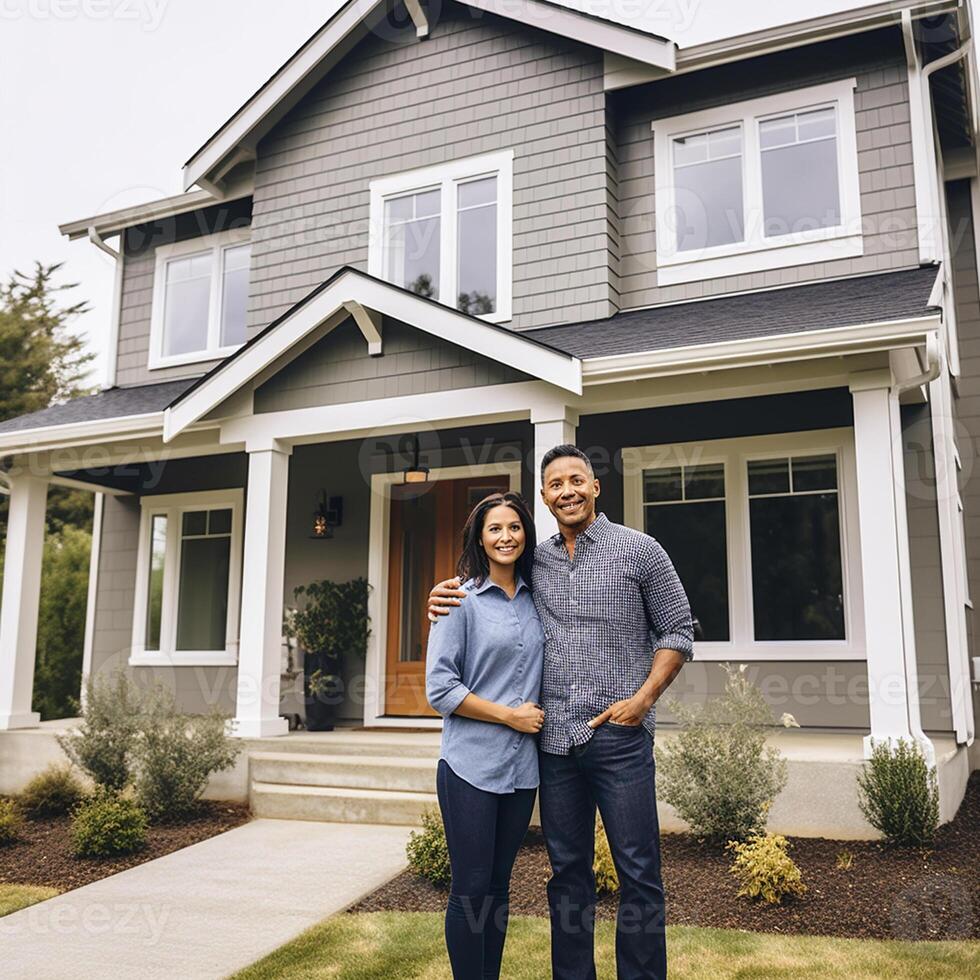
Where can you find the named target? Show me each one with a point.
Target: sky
(102, 101)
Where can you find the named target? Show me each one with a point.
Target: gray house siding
(136, 301)
(884, 158)
(337, 369)
(477, 84)
(966, 406)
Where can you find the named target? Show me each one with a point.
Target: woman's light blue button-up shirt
(492, 646)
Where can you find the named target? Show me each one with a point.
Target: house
(741, 274)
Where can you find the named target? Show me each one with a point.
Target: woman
(483, 675)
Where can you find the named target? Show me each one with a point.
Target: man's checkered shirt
(604, 615)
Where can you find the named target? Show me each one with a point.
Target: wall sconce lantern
(328, 515)
(416, 473)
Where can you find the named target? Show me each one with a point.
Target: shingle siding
(337, 369)
(475, 86)
(884, 146)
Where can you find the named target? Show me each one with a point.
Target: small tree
(718, 772)
(898, 793)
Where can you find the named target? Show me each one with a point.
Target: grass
(409, 945)
(15, 897)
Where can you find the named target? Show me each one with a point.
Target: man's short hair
(558, 452)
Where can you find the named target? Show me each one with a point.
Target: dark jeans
(483, 831)
(614, 770)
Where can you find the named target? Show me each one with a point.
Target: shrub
(174, 756)
(899, 795)
(53, 792)
(427, 851)
(718, 772)
(606, 879)
(107, 824)
(764, 869)
(11, 822)
(102, 744)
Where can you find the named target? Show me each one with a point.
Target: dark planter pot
(322, 707)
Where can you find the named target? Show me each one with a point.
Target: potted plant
(329, 623)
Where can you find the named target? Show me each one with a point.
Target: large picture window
(762, 532)
(445, 233)
(187, 586)
(200, 298)
(758, 185)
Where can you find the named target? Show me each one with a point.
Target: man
(618, 629)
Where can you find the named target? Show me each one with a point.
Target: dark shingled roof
(112, 403)
(814, 306)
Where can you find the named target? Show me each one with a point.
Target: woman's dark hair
(473, 563)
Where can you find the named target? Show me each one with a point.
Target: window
(762, 532)
(445, 233)
(187, 585)
(758, 185)
(199, 298)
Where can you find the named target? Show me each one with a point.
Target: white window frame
(446, 177)
(173, 506)
(216, 244)
(734, 454)
(757, 253)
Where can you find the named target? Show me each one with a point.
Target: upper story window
(200, 297)
(763, 533)
(758, 185)
(445, 233)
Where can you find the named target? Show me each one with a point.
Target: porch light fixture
(416, 473)
(328, 515)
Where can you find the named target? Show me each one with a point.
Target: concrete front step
(338, 804)
(414, 745)
(353, 771)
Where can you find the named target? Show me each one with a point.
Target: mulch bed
(887, 893)
(42, 856)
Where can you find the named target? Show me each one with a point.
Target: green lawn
(409, 945)
(14, 897)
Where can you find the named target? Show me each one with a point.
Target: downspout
(112, 353)
(931, 371)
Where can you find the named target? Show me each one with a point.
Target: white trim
(311, 62)
(93, 590)
(376, 656)
(172, 505)
(734, 453)
(216, 244)
(757, 252)
(447, 177)
(115, 316)
(497, 343)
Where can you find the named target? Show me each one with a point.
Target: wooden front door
(424, 544)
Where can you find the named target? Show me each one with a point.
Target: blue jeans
(483, 833)
(614, 770)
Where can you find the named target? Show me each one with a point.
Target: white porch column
(890, 641)
(21, 597)
(263, 572)
(552, 427)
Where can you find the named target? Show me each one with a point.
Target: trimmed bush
(102, 744)
(51, 793)
(174, 756)
(606, 879)
(718, 772)
(427, 851)
(11, 822)
(899, 795)
(107, 824)
(765, 870)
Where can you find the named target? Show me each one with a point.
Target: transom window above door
(200, 296)
(445, 233)
(758, 185)
(763, 534)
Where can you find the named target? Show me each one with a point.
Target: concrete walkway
(206, 910)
